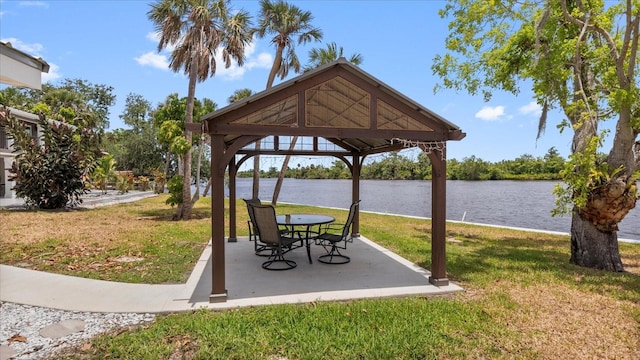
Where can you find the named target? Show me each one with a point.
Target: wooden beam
(196, 128)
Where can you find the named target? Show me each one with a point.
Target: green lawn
(522, 298)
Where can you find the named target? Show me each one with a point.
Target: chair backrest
(349, 222)
(250, 204)
(265, 220)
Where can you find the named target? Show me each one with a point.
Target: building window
(4, 143)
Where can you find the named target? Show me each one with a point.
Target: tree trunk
(256, 172)
(277, 63)
(283, 172)
(206, 188)
(593, 248)
(184, 210)
(196, 195)
(167, 162)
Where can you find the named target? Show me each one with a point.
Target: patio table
(306, 221)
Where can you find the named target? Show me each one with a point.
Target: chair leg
(261, 250)
(277, 261)
(334, 257)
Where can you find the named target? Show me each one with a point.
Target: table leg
(308, 245)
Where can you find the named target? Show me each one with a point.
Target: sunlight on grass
(419, 328)
(522, 298)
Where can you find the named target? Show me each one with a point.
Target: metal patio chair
(273, 239)
(259, 248)
(335, 237)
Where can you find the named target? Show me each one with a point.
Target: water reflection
(525, 204)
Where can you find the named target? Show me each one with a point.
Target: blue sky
(112, 43)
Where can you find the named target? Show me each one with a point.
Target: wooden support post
(438, 218)
(218, 286)
(355, 193)
(232, 201)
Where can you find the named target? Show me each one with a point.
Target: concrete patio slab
(373, 272)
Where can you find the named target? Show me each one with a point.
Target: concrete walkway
(373, 272)
(94, 198)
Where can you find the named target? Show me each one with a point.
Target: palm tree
(322, 56)
(317, 57)
(239, 95)
(198, 29)
(285, 22)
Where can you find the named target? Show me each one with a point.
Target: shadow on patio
(373, 272)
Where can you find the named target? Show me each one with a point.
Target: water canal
(525, 204)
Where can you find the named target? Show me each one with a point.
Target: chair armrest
(331, 227)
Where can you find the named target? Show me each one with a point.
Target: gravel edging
(24, 323)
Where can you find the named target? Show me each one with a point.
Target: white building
(22, 70)
(7, 156)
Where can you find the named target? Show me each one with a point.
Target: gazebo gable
(337, 101)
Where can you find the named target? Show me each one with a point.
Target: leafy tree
(73, 101)
(136, 112)
(198, 29)
(136, 149)
(98, 98)
(173, 109)
(423, 167)
(472, 168)
(581, 57)
(553, 162)
(78, 102)
(285, 22)
(51, 174)
(16, 98)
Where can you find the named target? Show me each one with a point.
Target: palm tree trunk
(256, 159)
(256, 172)
(206, 188)
(184, 210)
(196, 195)
(283, 172)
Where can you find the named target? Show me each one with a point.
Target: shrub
(159, 181)
(143, 183)
(175, 186)
(104, 173)
(50, 175)
(124, 182)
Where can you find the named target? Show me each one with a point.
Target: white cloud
(531, 108)
(234, 72)
(154, 60)
(53, 74)
(262, 61)
(155, 38)
(489, 113)
(41, 4)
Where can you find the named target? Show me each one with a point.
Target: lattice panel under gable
(282, 113)
(390, 118)
(337, 103)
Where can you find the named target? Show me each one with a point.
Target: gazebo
(335, 110)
